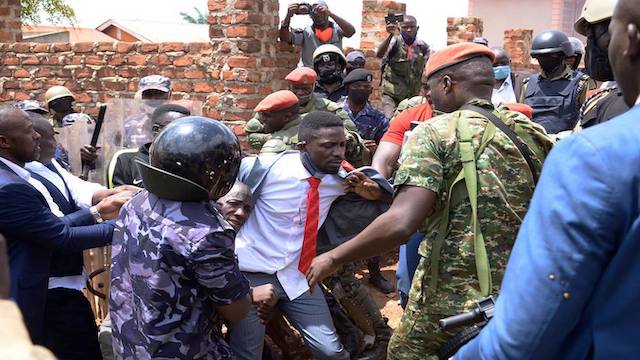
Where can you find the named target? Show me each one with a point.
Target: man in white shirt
(508, 83)
(70, 329)
(292, 197)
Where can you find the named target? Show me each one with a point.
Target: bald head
(236, 205)
(624, 48)
(456, 85)
(48, 143)
(19, 142)
(502, 56)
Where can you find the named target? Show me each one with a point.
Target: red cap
(277, 101)
(303, 76)
(524, 109)
(455, 54)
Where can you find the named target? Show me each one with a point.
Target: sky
(431, 14)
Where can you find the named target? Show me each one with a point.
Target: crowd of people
(502, 187)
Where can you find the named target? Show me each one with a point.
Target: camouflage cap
(155, 82)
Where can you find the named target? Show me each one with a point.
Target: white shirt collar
(19, 170)
(506, 82)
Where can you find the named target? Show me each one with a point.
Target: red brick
(127, 72)
(194, 74)
(21, 47)
(9, 84)
(241, 62)
(217, 5)
(215, 32)
(147, 47)
(228, 75)
(115, 86)
(248, 103)
(82, 97)
(74, 60)
(21, 73)
(250, 46)
(10, 60)
(29, 85)
(238, 130)
(106, 46)
(242, 89)
(117, 59)
(137, 59)
(241, 31)
(83, 72)
(182, 86)
(238, 115)
(53, 60)
(247, 17)
(105, 72)
(41, 48)
(168, 72)
(245, 4)
(94, 60)
(125, 47)
(61, 47)
(83, 47)
(203, 87)
(21, 96)
(225, 47)
(204, 48)
(161, 59)
(185, 60)
(213, 100)
(172, 46)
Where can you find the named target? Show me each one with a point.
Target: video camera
(476, 318)
(394, 18)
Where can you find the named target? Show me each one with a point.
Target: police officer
(185, 248)
(355, 60)
(607, 103)
(557, 93)
(404, 56)
(329, 63)
(276, 126)
(573, 61)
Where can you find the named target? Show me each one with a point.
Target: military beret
(358, 75)
(455, 54)
(302, 75)
(277, 101)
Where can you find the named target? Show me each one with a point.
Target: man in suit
(33, 232)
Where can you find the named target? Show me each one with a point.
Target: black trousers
(69, 326)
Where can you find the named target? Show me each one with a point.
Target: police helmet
(193, 159)
(327, 53)
(57, 92)
(593, 12)
(578, 46)
(551, 41)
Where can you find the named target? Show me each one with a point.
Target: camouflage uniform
(430, 159)
(409, 103)
(173, 263)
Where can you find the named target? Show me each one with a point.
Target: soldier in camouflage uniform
(172, 247)
(430, 164)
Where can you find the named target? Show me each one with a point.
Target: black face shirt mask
(550, 64)
(597, 61)
(359, 96)
(329, 76)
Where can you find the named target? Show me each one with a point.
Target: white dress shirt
(271, 239)
(505, 94)
(81, 193)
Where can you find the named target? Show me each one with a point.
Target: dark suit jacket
(32, 233)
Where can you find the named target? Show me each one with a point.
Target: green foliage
(198, 18)
(53, 11)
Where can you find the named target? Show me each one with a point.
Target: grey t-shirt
(306, 38)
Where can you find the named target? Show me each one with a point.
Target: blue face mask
(502, 72)
(407, 38)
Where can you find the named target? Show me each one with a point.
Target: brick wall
(10, 24)
(463, 29)
(518, 44)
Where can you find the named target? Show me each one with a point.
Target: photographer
(404, 59)
(320, 32)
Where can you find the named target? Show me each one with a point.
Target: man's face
(327, 148)
(63, 105)
(501, 59)
(327, 66)
(356, 64)
(301, 90)
(572, 62)
(22, 141)
(47, 137)
(236, 206)
(624, 54)
(154, 94)
(276, 120)
(164, 120)
(409, 27)
(319, 18)
(441, 94)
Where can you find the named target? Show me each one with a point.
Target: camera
(303, 9)
(394, 18)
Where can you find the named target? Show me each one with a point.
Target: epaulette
(593, 100)
(526, 80)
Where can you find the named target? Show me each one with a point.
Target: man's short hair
(167, 108)
(317, 120)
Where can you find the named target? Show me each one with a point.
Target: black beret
(358, 75)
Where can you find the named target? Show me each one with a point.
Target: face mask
(501, 72)
(303, 100)
(550, 64)
(408, 39)
(597, 61)
(329, 76)
(359, 96)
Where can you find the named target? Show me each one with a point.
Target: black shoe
(379, 282)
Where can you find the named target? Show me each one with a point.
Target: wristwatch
(96, 215)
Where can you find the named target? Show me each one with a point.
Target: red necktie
(310, 225)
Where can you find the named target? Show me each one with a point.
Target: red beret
(524, 109)
(302, 75)
(277, 101)
(455, 54)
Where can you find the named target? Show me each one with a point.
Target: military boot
(376, 279)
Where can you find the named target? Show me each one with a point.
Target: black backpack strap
(524, 150)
